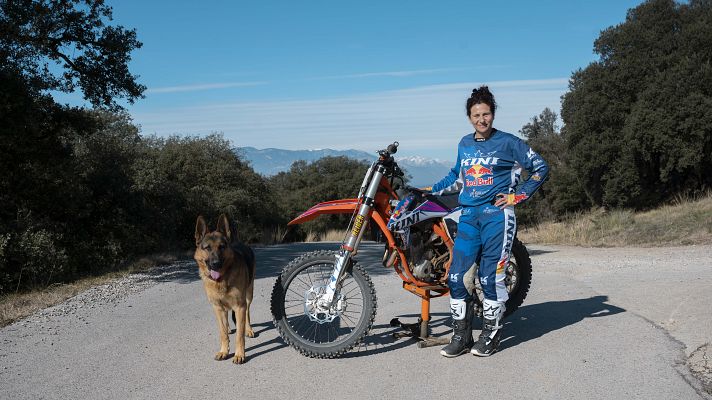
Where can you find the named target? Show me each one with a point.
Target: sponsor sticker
(358, 224)
(500, 266)
(478, 176)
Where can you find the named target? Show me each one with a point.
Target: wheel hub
(511, 279)
(319, 309)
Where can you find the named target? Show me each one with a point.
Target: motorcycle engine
(428, 255)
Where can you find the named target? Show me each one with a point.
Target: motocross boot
(488, 342)
(461, 341)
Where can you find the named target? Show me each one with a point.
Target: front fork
(353, 238)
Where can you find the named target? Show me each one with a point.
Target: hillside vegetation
(637, 130)
(684, 222)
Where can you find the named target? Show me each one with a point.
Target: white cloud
(199, 87)
(391, 73)
(427, 121)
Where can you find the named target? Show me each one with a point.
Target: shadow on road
(380, 339)
(273, 345)
(536, 252)
(529, 322)
(271, 259)
(536, 320)
(181, 272)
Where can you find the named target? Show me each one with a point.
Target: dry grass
(16, 306)
(332, 235)
(684, 222)
(273, 235)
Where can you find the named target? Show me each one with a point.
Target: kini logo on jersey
(479, 172)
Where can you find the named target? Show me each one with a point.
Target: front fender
(344, 206)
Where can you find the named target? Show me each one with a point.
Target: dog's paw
(249, 332)
(238, 359)
(221, 355)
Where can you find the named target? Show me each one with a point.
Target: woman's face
(481, 118)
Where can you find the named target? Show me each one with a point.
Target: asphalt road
(598, 324)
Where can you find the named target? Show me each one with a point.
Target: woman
(486, 175)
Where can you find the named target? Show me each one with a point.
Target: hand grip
(393, 148)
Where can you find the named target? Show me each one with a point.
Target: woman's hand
(504, 200)
(422, 192)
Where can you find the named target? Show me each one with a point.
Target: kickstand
(419, 331)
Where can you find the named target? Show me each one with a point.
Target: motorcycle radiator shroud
(409, 212)
(411, 224)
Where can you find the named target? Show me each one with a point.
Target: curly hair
(481, 95)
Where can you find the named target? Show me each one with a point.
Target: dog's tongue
(214, 274)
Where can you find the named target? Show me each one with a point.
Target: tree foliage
(61, 173)
(637, 124)
(66, 45)
(304, 185)
(562, 192)
(180, 178)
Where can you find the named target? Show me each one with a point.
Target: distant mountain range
(268, 162)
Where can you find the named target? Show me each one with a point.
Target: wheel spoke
(324, 332)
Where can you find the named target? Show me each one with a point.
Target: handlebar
(418, 191)
(391, 149)
(386, 159)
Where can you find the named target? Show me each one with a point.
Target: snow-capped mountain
(424, 171)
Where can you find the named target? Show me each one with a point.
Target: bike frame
(374, 203)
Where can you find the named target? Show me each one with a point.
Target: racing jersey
(486, 167)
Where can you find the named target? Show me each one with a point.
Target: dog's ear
(224, 227)
(201, 229)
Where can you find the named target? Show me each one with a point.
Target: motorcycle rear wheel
(518, 279)
(291, 306)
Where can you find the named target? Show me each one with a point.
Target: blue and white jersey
(485, 168)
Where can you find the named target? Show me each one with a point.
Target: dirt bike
(324, 303)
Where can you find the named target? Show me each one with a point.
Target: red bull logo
(478, 172)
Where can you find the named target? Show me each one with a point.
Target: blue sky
(329, 74)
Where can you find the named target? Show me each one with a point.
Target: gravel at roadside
(111, 293)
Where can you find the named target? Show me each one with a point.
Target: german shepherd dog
(227, 268)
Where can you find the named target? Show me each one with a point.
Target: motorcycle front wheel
(310, 329)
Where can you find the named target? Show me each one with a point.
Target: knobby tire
(311, 338)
